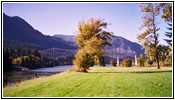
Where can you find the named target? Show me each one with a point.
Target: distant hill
(19, 31)
(70, 38)
(118, 42)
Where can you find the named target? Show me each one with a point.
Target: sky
(63, 18)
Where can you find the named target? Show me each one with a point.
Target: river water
(53, 69)
(13, 78)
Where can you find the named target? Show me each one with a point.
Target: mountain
(18, 30)
(120, 42)
(70, 38)
(117, 42)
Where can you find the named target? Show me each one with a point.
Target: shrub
(126, 63)
(148, 63)
(113, 63)
(141, 61)
(166, 63)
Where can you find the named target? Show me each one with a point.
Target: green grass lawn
(99, 82)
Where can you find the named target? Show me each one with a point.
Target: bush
(141, 61)
(126, 63)
(113, 63)
(148, 63)
(166, 63)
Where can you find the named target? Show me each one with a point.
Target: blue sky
(63, 18)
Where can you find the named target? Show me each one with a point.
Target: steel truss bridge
(58, 53)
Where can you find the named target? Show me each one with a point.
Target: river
(16, 77)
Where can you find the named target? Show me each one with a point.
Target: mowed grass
(99, 82)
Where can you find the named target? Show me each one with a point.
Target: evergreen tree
(26, 63)
(36, 53)
(23, 53)
(7, 62)
(167, 15)
(169, 35)
(163, 52)
(28, 52)
(22, 61)
(18, 52)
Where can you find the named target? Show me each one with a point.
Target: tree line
(30, 58)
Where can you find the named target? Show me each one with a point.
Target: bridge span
(58, 53)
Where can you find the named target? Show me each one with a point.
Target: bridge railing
(57, 52)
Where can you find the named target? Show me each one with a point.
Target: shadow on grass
(140, 72)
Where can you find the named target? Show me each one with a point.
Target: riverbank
(16, 77)
(115, 82)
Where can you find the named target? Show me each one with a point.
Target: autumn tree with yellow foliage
(149, 38)
(92, 37)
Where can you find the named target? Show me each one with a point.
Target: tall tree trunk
(157, 61)
(155, 39)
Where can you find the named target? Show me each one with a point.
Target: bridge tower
(135, 60)
(118, 62)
